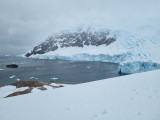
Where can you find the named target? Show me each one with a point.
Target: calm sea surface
(54, 70)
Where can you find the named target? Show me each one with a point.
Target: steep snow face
(93, 44)
(76, 38)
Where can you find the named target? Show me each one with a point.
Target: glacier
(135, 51)
(137, 66)
(84, 57)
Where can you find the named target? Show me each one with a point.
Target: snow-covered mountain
(76, 38)
(135, 51)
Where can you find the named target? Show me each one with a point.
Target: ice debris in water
(13, 76)
(31, 78)
(137, 66)
(54, 78)
(18, 79)
(88, 67)
(6, 55)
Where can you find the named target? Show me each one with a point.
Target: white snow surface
(140, 45)
(131, 97)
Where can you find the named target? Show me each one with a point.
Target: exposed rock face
(20, 93)
(19, 84)
(77, 38)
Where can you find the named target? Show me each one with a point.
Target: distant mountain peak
(77, 37)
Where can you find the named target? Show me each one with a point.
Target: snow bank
(131, 97)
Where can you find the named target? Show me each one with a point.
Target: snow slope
(131, 97)
(141, 45)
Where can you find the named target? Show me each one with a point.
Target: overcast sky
(24, 23)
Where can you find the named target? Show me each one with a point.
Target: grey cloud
(23, 23)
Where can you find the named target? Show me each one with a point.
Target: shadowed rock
(19, 84)
(20, 93)
(31, 85)
(42, 88)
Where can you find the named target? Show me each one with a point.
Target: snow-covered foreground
(131, 97)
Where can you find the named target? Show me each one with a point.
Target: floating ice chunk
(18, 79)
(31, 78)
(137, 66)
(74, 65)
(38, 68)
(89, 67)
(54, 78)
(13, 76)
(6, 55)
(1, 69)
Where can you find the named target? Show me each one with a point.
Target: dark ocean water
(54, 70)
